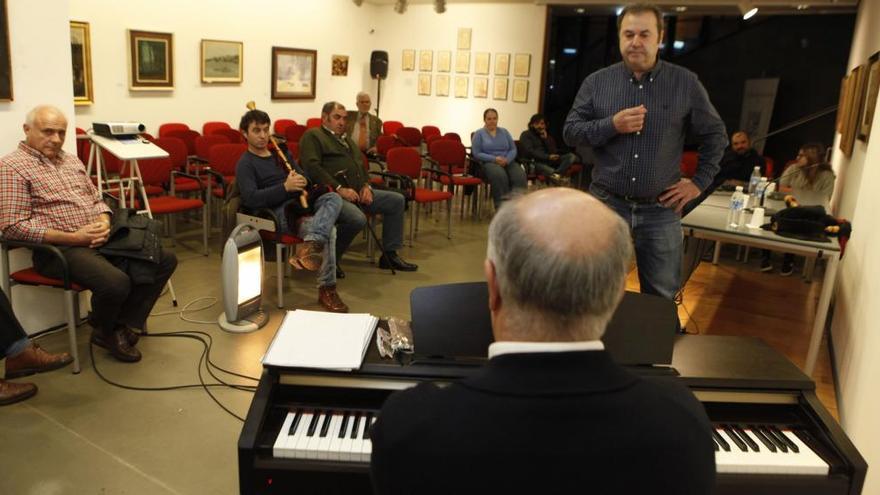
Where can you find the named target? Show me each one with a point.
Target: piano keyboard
(763, 450)
(325, 434)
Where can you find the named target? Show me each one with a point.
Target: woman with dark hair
(811, 181)
(493, 146)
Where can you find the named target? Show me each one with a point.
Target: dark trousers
(10, 328)
(115, 299)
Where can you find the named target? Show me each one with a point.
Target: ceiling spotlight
(681, 8)
(440, 6)
(400, 6)
(580, 10)
(803, 6)
(747, 9)
(358, 2)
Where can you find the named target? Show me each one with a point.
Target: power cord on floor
(679, 301)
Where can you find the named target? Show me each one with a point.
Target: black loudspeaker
(379, 64)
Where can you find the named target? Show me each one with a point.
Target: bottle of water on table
(737, 208)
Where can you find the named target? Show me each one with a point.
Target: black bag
(399, 184)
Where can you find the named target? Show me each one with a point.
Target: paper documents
(315, 339)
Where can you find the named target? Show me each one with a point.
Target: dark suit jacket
(323, 156)
(375, 127)
(544, 423)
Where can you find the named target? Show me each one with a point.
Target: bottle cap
(739, 188)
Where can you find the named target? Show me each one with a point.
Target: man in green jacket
(331, 157)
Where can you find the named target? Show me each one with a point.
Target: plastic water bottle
(737, 208)
(754, 180)
(760, 191)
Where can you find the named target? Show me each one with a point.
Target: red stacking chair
(294, 133)
(430, 130)
(409, 136)
(164, 129)
(452, 135)
(293, 148)
(430, 139)
(450, 156)
(83, 146)
(188, 137)
(177, 153)
(689, 161)
(205, 143)
(313, 122)
(281, 125)
(407, 161)
(222, 160)
(390, 127)
(385, 143)
(233, 135)
(212, 127)
(769, 166)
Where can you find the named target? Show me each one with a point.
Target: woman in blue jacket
(493, 146)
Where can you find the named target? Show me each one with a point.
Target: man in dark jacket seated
(550, 412)
(740, 161)
(538, 145)
(46, 196)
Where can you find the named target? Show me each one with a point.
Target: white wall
(39, 39)
(857, 312)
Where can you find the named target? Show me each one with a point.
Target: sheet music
(316, 339)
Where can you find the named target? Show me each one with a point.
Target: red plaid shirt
(37, 194)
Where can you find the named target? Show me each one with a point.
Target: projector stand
(252, 322)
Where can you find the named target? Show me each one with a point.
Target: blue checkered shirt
(643, 164)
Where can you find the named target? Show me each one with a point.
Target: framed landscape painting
(293, 73)
(5, 62)
(152, 60)
(222, 61)
(81, 57)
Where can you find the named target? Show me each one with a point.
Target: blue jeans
(560, 167)
(504, 179)
(319, 227)
(389, 204)
(657, 239)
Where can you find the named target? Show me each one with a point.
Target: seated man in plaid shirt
(46, 196)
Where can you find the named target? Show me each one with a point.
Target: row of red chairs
(689, 160)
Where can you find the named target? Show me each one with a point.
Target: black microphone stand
(343, 179)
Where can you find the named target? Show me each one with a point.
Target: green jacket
(323, 156)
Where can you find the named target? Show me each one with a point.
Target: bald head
(45, 128)
(558, 259)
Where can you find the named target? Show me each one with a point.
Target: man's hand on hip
(630, 120)
(679, 194)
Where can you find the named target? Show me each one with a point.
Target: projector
(116, 129)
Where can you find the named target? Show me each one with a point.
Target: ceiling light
(748, 9)
(358, 2)
(400, 6)
(681, 8)
(580, 10)
(803, 6)
(440, 6)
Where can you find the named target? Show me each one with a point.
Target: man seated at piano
(550, 412)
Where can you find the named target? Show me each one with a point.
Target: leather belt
(632, 199)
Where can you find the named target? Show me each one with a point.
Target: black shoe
(391, 259)
(786, 270)
(339, 272)
(117, 344)
(766, 266)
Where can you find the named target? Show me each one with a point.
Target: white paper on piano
(315, 339)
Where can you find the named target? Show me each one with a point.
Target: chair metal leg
(70, 311)
(206, 226)
(279, 272)
(717, 254)
(449, 218)
(412, 222)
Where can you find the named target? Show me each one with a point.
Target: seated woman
(494, 148)
(538, 145)
(811, 181)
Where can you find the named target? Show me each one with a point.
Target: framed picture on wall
(339, 65)
(481, 87)
(81, 56)
(463, 62)
(441, 87)
(222, 61)
(426, 60)
(461, 86)
(152, 60)
(444, 61)
(424, 84)
(499, 90)
(409, 60)
(293, 73)
(502, 64)
(5, 61)
(464, 39)
(520, 91)
(872, 86)
(841, 104)
(852, 108)
(522, 63)
(481, 63)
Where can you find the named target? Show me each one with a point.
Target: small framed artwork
(872, 87)
(461, 86)
(152, 60)
(841, 103)
(481, 63)
(222, 61)
(852, 107)
(481, 87)
(502, 64)
(339, 65)
(444, 61)
(464, 38)
(409, 60)
(425, 84)
(293, 73)
(81, 56)
(441, 85)
(520, 91)
(499, 89)
(463, 62)
(426, 60)
(522, 63)
(5, 60)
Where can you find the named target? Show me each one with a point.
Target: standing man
(331, 157)
(46, 196)
(363, 127)
(636, 114)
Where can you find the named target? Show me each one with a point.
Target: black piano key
(314, 424)
(367, 423)
(735, 438)
(760, 435)
(791, 445)
(326, 426)
(781, 441)
(715, 444)
(343, 428)
(720, 440)
(354, 428)
(295, 423)
(746, 438)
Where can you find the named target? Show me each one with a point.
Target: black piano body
(739, 380)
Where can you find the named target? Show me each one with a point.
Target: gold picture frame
(408, 60)
(464, 39)
(426, 60)
(424, 86)
(5, 56)
(481, 87)
(499, 88)
(852, 109)
(481, 63)
(441, 85)
(294, 73)
(444, 60)
(339, 65)
(222, 61)
(152, 60)
(522, 64)
(502, 64)
(872, 88)
(462, 62)
(81, 58)
(520, 93)
(461, 86)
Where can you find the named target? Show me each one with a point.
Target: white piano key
(336, 441)
(278, 449)
(367, 447)
(810, 462)
(324, 445)
(767, 462)
(300, 441)
(345, 446)
(311, 447)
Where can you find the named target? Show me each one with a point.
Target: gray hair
(554, 294)
(31, 117)
(362, 93)
(328, 107)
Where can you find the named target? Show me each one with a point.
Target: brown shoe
(117, 344)
(331, 301)
(35, 360)
(309, 256)
(132, 336)
(11, 393)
